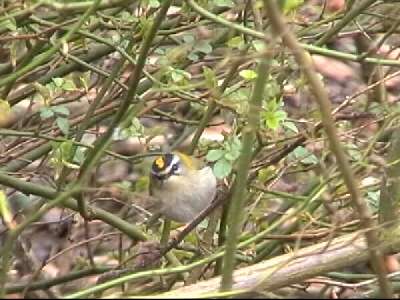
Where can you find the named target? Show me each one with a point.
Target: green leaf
(203, 46)
(46, 113)
(68, 85)
(258, 45)
(58, 81)
(305, 155)
(63, 124)
(235, 42)
(236, 143)
(248, 74)
(273, 90)
(214, 155)
(211, 79)
(231, 156)
(9, 24)
(188, 38)
(43, 91)
(193, 56)
(291, 126)
(79, 155)
(154, 3)
(222, 168)
(273, 114)
(84, 80)
(271, 121)
(354, 152)
(290, 5)
(61, 110)
(136, 128)
(373, 198)
(179, 75)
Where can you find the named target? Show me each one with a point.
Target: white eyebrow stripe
(175, 160)
(166, 171)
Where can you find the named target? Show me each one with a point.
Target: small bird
(182, 188)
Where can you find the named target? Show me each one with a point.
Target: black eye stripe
(165, 166)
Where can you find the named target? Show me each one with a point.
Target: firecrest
(181, 186)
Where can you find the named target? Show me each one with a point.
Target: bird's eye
(175, 168)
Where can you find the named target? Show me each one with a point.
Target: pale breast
(184, 197)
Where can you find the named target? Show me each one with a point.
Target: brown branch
(290, 268)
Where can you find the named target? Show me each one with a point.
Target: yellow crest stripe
(160, 162)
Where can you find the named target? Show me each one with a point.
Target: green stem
(48, 283)
(102, 143)
(235, 214)
(350, 16)
(311, 48)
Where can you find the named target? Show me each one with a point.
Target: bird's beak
(160, 177)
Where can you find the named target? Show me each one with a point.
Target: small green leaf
(290, 5)
(222, 168)
(68, 85)
(214, 155)
(203, 46)
(211, 79)
(154, 3)
(188, 38)
(248, 74)
(258, 45)
(10, 24)
(46, 113)
(373, 198)
(273, 114)
(43, 91)
(235, 42)
(193, 56)
(58, 81)
(230, 156)
(136, 128)
(271, 121)
(177, 76)
(63, 124)
(305, 155)
(291, 126)
(61, 110)
(79, 155)
(354, 152)
(236, 143)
